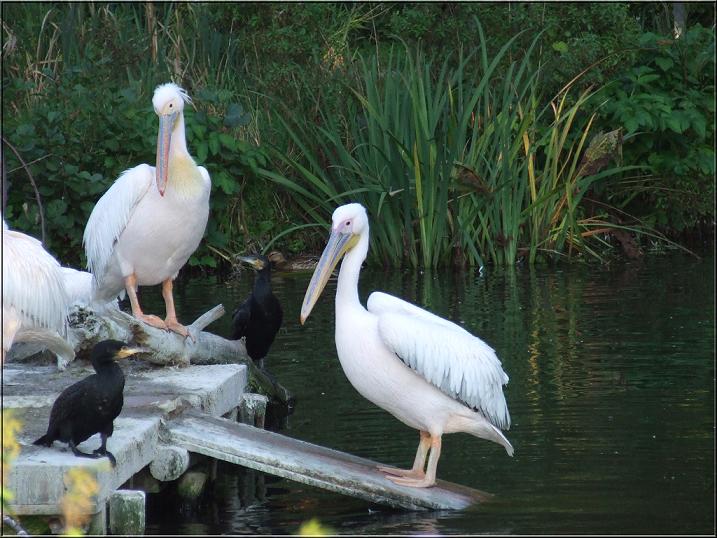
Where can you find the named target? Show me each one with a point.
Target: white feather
(449, 357)
(32, 283)
(111, 214)
(134, 230)
(78, 285)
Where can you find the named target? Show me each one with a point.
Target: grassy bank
(473, 133)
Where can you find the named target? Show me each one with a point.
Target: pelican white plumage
(34, 298)
(426, 371)
(141, 236)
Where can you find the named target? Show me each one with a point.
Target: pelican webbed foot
(394, 471)
(425, 482)
(174, 326)
(151, 320)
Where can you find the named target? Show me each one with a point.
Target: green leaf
(560, 46)
(56, 208)
(235, 116)
(228, 141)
(673, 122)
(699, 124)
(202, 151)
(644, 80)
(214, 144)
(70, 169)
(631, 124)
(664, 63)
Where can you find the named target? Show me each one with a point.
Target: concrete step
(37, 476)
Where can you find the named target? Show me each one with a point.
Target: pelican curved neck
(178, 144)
(347, 286)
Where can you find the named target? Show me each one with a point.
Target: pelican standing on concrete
(34, 298)
(150, 221)
(426, 371)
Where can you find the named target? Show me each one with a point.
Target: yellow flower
(314, 528)
(10, 450)
(78, 502)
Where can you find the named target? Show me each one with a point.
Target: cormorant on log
(259, 317)
(91, 405)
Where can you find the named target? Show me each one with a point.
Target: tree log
(88, 327)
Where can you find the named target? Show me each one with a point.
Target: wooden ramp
(297, 460)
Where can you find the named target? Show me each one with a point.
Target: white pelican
(426, 371)
(34, 298)
(138, 235)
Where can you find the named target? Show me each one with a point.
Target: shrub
(665, 104)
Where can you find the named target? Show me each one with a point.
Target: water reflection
(611, 393)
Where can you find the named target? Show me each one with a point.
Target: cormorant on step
(259, 317)
(91, 405)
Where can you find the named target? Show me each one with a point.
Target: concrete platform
(180, 409)
(152, 395)
(310, 464)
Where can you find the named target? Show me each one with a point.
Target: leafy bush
(454, 166)
(77, 141)
(78, 77)
(665, 103)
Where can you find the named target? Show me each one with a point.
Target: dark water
(611, 395)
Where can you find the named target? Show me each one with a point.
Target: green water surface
(611, 396)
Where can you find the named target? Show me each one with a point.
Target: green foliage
(454, 166)
(72, 143)
(665, 103)
(301, 106)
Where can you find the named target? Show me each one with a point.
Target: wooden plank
(311, 464)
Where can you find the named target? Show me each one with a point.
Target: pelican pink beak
(338, 245)
(166, 126)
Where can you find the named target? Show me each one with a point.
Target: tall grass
(455, 160)
(456, 156)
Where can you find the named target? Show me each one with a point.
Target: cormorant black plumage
(259, 317)
(91, 405)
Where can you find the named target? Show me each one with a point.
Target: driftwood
(87, 327)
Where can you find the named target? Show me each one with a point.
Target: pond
(611, 396)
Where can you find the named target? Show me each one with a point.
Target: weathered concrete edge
(137, 446)
(179, 440)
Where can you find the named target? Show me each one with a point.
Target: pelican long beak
(129, 351)
(338, 245)
(164, 137)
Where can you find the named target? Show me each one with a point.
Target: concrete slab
(310, 464)
(151, 396)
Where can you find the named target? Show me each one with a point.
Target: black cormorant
(91, 405)
(259, 317)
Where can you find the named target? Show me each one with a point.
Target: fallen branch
(87, 327)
